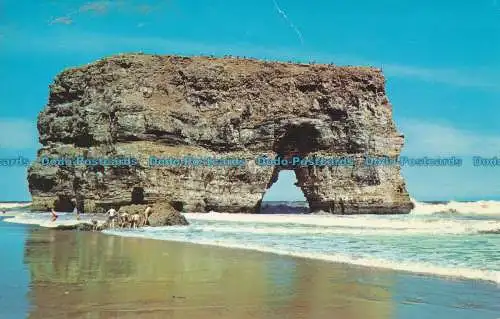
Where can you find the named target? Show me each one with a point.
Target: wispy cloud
(446, 76)
(61, 20)
(432, 138)
(290, 23)
(496, 7)
(99, 7)
(483, 79)
(144, 9)
(18, 134)
(96, 6)
(427, 138)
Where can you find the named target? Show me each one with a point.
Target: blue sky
(440, 58)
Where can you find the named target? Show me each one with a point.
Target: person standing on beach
(124, 220)
(75, 209)
(77, 214)
(112, 214)
(147, 212)
(136, 220)
(54, 215)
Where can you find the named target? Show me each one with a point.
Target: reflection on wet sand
(92, 275)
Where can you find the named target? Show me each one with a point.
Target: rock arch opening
(294, 141)
(64, 203)
(284, 196)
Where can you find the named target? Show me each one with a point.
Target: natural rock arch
(296, 140)
(167, 106)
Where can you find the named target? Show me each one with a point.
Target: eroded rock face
(167, 106)
(162, 214)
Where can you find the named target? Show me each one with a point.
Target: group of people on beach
(114, 219)
(125, 220)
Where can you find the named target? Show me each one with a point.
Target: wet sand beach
(67, 274)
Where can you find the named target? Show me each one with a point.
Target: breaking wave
(365, 225)
(354, 224)
(44, 219)
(483, 207)
(14, 205)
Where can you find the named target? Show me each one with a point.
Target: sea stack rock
(135, 106)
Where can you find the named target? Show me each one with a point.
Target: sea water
(14, 277)
(455, 239)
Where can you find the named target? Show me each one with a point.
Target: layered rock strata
(138, 106)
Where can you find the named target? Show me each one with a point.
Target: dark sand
(92, 275)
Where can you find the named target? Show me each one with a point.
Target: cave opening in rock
(284, 196)
(137, 195)
(177, 205)
(297, 140)
(64, 204)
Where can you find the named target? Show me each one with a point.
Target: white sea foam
(483, 207)
(27, 221)
(13, 205)
(44, 220)
(307, 224)
(455, 230)
(365, 224)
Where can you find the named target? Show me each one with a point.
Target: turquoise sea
(14, 274)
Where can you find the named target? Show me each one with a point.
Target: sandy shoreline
(81, 274)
